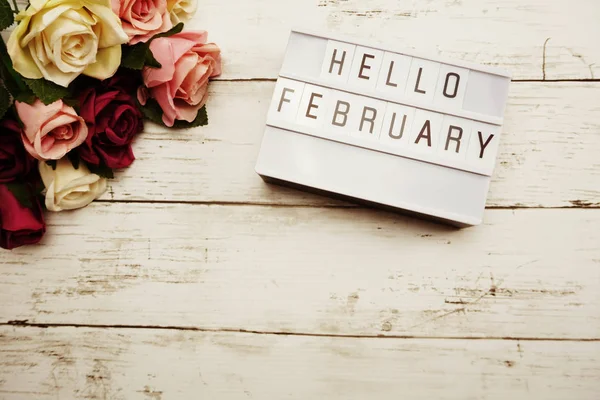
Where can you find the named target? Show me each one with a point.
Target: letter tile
(365, 68)
(451, 87)
(422, 80)
(425, 131)
(454, 137)
(397, 125)
(338, 62)
(313, 106)
(286, 100)
(483, 146)
(370, 113)
(342, 113)
(394, 75)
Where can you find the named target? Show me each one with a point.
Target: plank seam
(577, 205)
(226, 203)
(26, 324)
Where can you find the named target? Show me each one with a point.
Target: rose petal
(112, 31)
(183, 68)
(107, 63)
(163, 52)
(34, 115)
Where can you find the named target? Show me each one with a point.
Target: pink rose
(50, 131)
(181, 86)
(142, 19)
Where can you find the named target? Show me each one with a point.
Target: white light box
(385, 127)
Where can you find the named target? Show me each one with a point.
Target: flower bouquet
(78, 81)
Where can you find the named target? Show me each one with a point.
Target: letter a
(422, 135)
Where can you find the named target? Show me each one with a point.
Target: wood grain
(378, 305)
(70, 363)
(548, 154)
(523, 274)
(534, 39)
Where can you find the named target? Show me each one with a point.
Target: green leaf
(151, 61)
(9, 83)
(26, 97)
(102, 170)
(7, 17)
(74, 158)
(153, 112)
(22, 193)
(4, 100)
(133, 57)
(48, 92)
(139, 55)
(201, 120)
(173, 31)
(72, 103)
(12, 80)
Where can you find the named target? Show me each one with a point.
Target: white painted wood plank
(524, 273)
(508, 33)
(548, 154)
(74, 363)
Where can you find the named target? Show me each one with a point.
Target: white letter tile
(480, 135)
(422, 80)
(453, 96)
(461, 131)
(285, 107)
(365, 68)
(422, 143)
(313, 107)
(394, 75)
(338, 62)
(398, 134)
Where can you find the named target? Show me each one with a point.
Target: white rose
(68, 188)
(181, 10)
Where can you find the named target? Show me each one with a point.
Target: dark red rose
(15, 161)
(19, 225)
(113, 120)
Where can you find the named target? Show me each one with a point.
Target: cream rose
(61, 39)
(68, 188)
(181, 10)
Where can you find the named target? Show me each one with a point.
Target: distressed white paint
(512, 34)
(70, 363)
(548, 154)
(524, 273)
(506, 33)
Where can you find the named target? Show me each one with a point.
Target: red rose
(15, 161)
(19, 225)
(113, 120)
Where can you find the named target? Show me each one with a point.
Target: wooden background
(192, 279)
